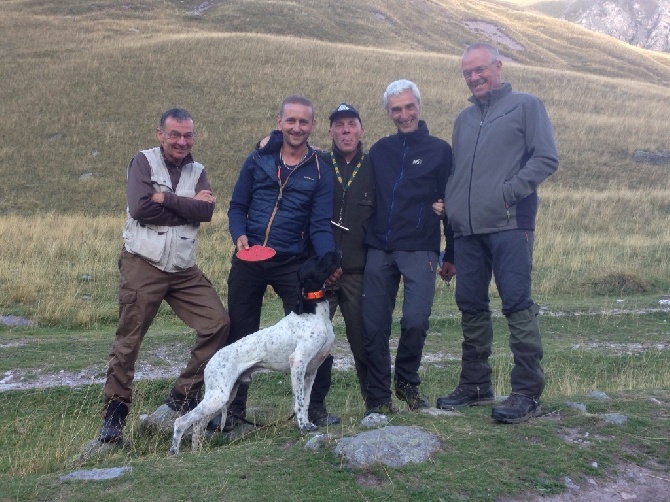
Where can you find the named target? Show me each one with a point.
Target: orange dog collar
(315, 295)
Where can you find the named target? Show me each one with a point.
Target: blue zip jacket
(287, 219)
(410, 172)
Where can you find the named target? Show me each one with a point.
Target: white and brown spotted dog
(297, 344)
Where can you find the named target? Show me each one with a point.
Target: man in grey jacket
(503, 149)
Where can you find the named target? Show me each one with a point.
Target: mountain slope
(84, 83)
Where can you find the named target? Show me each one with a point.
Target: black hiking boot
(320, 417)
(235, 417)
(411, 394)
(380, 409)
(515, 409)
(181, 403)
(114, 421)
(463, 396)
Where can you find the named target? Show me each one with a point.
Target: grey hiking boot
(411, 394)
(320, 417)
(463, 396)
(516, 408)
(116, 413)
(234, 418)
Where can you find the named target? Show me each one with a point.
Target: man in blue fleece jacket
(503, 149)
(410, 171)
(283, 199)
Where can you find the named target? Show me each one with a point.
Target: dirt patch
(625, 482)
(162, 362)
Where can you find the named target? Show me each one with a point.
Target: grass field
(614, 347)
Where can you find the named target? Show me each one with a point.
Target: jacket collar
(269, 160)
(168, 163)
(339, 156)
(493, 95)
(421, 131)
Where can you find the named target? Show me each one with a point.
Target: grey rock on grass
(96, 474)
(95, 449)
(615, 418)
(160, 421)
(393, 446)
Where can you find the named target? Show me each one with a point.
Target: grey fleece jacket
(503, 150)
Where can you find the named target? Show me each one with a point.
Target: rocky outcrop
(643, 23)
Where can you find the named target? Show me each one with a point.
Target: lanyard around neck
(338, 174)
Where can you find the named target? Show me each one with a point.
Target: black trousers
(247, 283)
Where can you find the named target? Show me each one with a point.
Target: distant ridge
(643, 23)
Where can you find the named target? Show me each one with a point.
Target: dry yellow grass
(587, 242)
(85, 83)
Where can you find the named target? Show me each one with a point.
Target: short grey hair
(179, 114)
(493, 52)
(395, 88)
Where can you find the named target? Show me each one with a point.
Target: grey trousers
(383, 271)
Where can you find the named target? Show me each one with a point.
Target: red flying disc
(256, 253)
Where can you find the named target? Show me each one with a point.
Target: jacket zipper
(472, 167)
(395, 186)
(281, 191)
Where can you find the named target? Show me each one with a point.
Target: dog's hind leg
(310, 376)
(198, 417)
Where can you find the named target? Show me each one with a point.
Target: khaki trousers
(193, 299)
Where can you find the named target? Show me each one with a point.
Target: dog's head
(314, 272)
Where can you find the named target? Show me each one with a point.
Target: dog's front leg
(300, 398)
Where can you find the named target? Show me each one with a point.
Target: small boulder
(652, 157)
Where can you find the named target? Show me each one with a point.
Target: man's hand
(205, 195)
(438, 208)
(447, 271)
(334, 277)
(158, 197)
(264, 141)
(242, 243)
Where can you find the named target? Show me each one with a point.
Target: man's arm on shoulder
(271, 143)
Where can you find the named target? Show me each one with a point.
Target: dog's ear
(310, 274)
(314, 272)
(331, 261)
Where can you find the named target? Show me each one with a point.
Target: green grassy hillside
(85, 82)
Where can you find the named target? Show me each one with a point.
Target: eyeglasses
(477, 71)
(175, 136)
